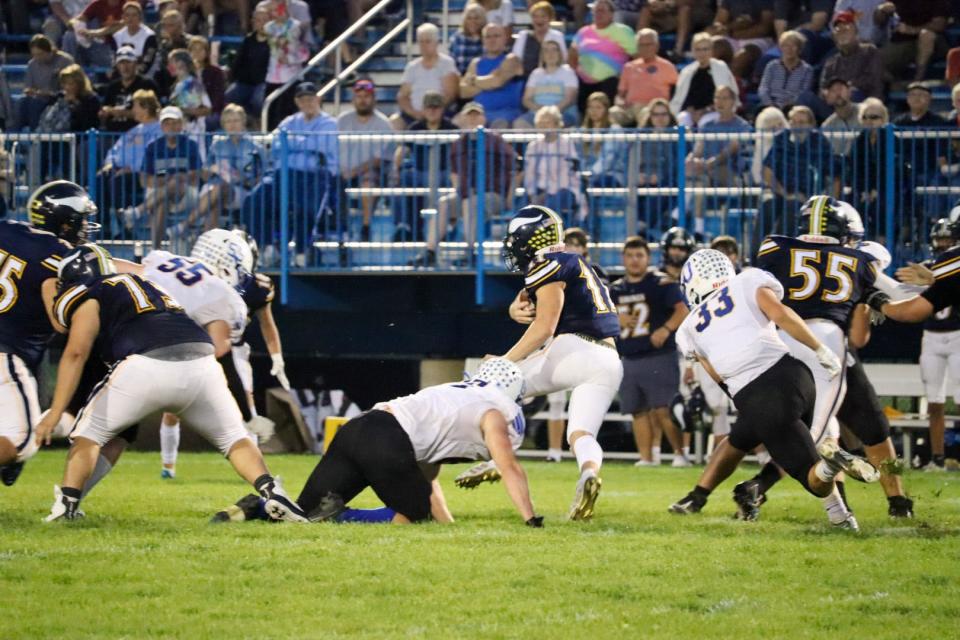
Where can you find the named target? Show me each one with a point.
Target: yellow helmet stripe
(103, 258)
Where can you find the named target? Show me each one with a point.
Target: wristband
(536, 522)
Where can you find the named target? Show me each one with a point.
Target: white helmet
(855, 227)
(504, 375)
(226, 253)
(704, 273)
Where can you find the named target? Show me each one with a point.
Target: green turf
(145, 564)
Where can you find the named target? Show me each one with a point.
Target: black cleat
(10, 472)
(690, 503)
(249, 507)
(330, 507)
(748, 498)
(900, 507)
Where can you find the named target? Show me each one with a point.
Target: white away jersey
(202, 294)
(731, 332)
(443, 422)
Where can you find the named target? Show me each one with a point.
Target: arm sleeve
(235, 384)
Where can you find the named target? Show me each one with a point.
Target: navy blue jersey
(819, 280)
(258, 293)
(652, 300)
(587, 307)
(946, 319)
(135, 316)
(28, 257)
(945, 290)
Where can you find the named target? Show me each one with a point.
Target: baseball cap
(125, 52)
(305, 88)
(364, 85)
(171, 113)
(432, 99)
(844, 17)
(473, 105)
(836, 80)
(918, 85)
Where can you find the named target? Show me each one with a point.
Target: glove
(261, 427)
(277, 370)
(536, 522)
(876, 300)
(829, 361)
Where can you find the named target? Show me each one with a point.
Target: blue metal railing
(390, 201)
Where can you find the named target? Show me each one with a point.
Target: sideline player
(30, 254)
(398, 447)
(161, 361)
(732, 332)
(650, 308)
(676, 245)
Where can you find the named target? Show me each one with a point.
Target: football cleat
(933, 467)
(167, 474)
(900, 507)
(554, 457)
(330, 507)
(690, 503)
(10, 472)
(839, 460)
(588, 490)
(748, 499)
(63, 508)
(680, 462)
(646, 463)
(850, 523)
(279, 505)
(477, 475)
(249, 507)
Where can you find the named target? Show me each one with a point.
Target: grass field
(145, 563)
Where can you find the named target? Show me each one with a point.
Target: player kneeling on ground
(163, 361)
(732, 332)
(397, 448)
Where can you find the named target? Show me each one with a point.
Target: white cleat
(279, 506)
(839, 460)
(680, 462)
(645, 463)
(477, 475)
(588, 490)
(63, 507)
(850, 523)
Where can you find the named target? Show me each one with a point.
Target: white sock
(686, 452)
(836, 511)
(763, 457)
(587, 449)
(102, 469)
(656, 454)
(169, 443)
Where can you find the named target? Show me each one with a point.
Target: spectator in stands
(845, 116)
(212, 76)
(717, 162)
(599, 51)
(607, 158)
(953, 118)
(859, 63)
(499, 12)
(529, 42)
(647, 77)
(118, 181)
(249, 69)
(810, 18)
(80, 97)
(362, 162)
(226, 17)
(432, 71)
(312, 160)
(172, 37)
(698, 81)
(116, 114)
(658, 165)
(866, 166)
(411, 167)
(467, 43)
(286, 36)
(554, 84)
(497, 189)
(299, 10)
(58, 22)
(171, 173)
(136, 35)
(926, 155)
(674, 16)
(42, 81)
(952, 73)
(798, 165)
(768, 123)
(748, 24)
(865, 15)
(188, 93)
(786, 78)
(916, 38)
(88, 40)
(495, 79)
(235, 166)
(551, 170)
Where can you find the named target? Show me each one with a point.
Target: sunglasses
(872, 116)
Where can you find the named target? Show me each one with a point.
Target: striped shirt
(781, 87)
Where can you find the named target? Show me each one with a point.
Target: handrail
(444, 20)
(333, 46)
(366, 55)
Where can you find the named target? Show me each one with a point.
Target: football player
(397, 449)
(60, 214)
(570, 343)
(732, 332)
(650, 309)
(676, 245)
(161, 360)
